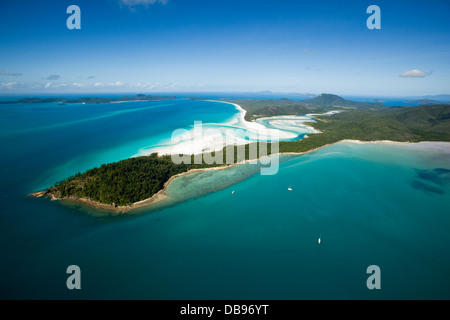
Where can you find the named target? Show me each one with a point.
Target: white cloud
(8, 85)
(110, 86)
(78, 85)
(416, 73)
(132, 3)
(10, 74)
(54, 85)
(53, 77)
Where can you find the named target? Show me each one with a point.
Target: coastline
(158, 197)
(240, 119)
(283, 128)
(161, 196)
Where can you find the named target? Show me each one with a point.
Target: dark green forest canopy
(409, 124)
(320, 104)
(136, 179)
(122, 182)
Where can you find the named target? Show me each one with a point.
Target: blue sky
(215, 45)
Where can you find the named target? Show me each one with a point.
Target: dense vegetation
(326, 99)
(320, 104)
(123, 182)
(136, 179)
(423, 123)
(270, 108)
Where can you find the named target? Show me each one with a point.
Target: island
(91, 100)
(141, 181)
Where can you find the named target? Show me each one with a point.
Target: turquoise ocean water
(371, 204)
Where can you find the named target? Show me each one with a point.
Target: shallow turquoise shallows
(249, 238)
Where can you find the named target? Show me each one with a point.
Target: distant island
(426, 101)
(119, 186)
(91, 100)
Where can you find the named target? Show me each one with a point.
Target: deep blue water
(378, 204)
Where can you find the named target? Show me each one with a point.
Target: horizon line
(172, 93)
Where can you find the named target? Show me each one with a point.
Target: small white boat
(290, 188)
(232, 192)
(319, 241)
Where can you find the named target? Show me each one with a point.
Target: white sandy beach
(236, 131)
(423, 145)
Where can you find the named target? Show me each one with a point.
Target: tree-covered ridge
(91, 100)
(412, 124)
(322, 103)
(122, 182)
(136, 179)
(269, 108)
(332, 100)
